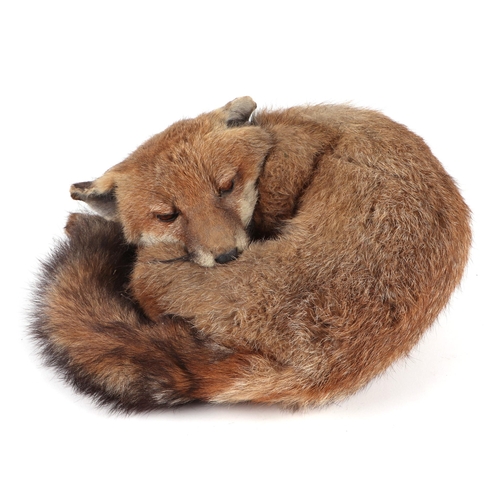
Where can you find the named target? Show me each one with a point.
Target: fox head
(194, 184)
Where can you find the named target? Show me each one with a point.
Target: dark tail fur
(92, 332)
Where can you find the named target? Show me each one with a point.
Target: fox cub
(283, 256)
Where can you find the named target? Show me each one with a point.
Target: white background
(84, 83)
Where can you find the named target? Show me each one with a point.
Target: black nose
(227, 257)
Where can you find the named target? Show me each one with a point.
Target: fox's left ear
(238, 111)
(98, 194)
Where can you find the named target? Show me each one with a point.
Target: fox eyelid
(226, 188)
(167, 217)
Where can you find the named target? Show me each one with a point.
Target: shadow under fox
(281, 256)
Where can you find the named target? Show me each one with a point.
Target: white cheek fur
(247, 203)
(153, 239)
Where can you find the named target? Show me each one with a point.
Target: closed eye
(167, 217)
(226, 187)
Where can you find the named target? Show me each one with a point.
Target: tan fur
(357, 239)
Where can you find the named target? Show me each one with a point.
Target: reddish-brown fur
(357, 240)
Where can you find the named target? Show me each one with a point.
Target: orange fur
(353, 246)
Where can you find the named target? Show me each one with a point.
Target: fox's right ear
(238, 111)
(99, 195)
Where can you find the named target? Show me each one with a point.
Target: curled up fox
(281, 256)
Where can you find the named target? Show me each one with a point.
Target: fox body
(283, 256)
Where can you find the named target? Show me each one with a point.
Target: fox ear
(238, 111)
(99, 195)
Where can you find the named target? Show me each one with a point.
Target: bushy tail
(90, 329)
(93, 333)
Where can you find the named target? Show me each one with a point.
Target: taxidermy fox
(284, 256)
